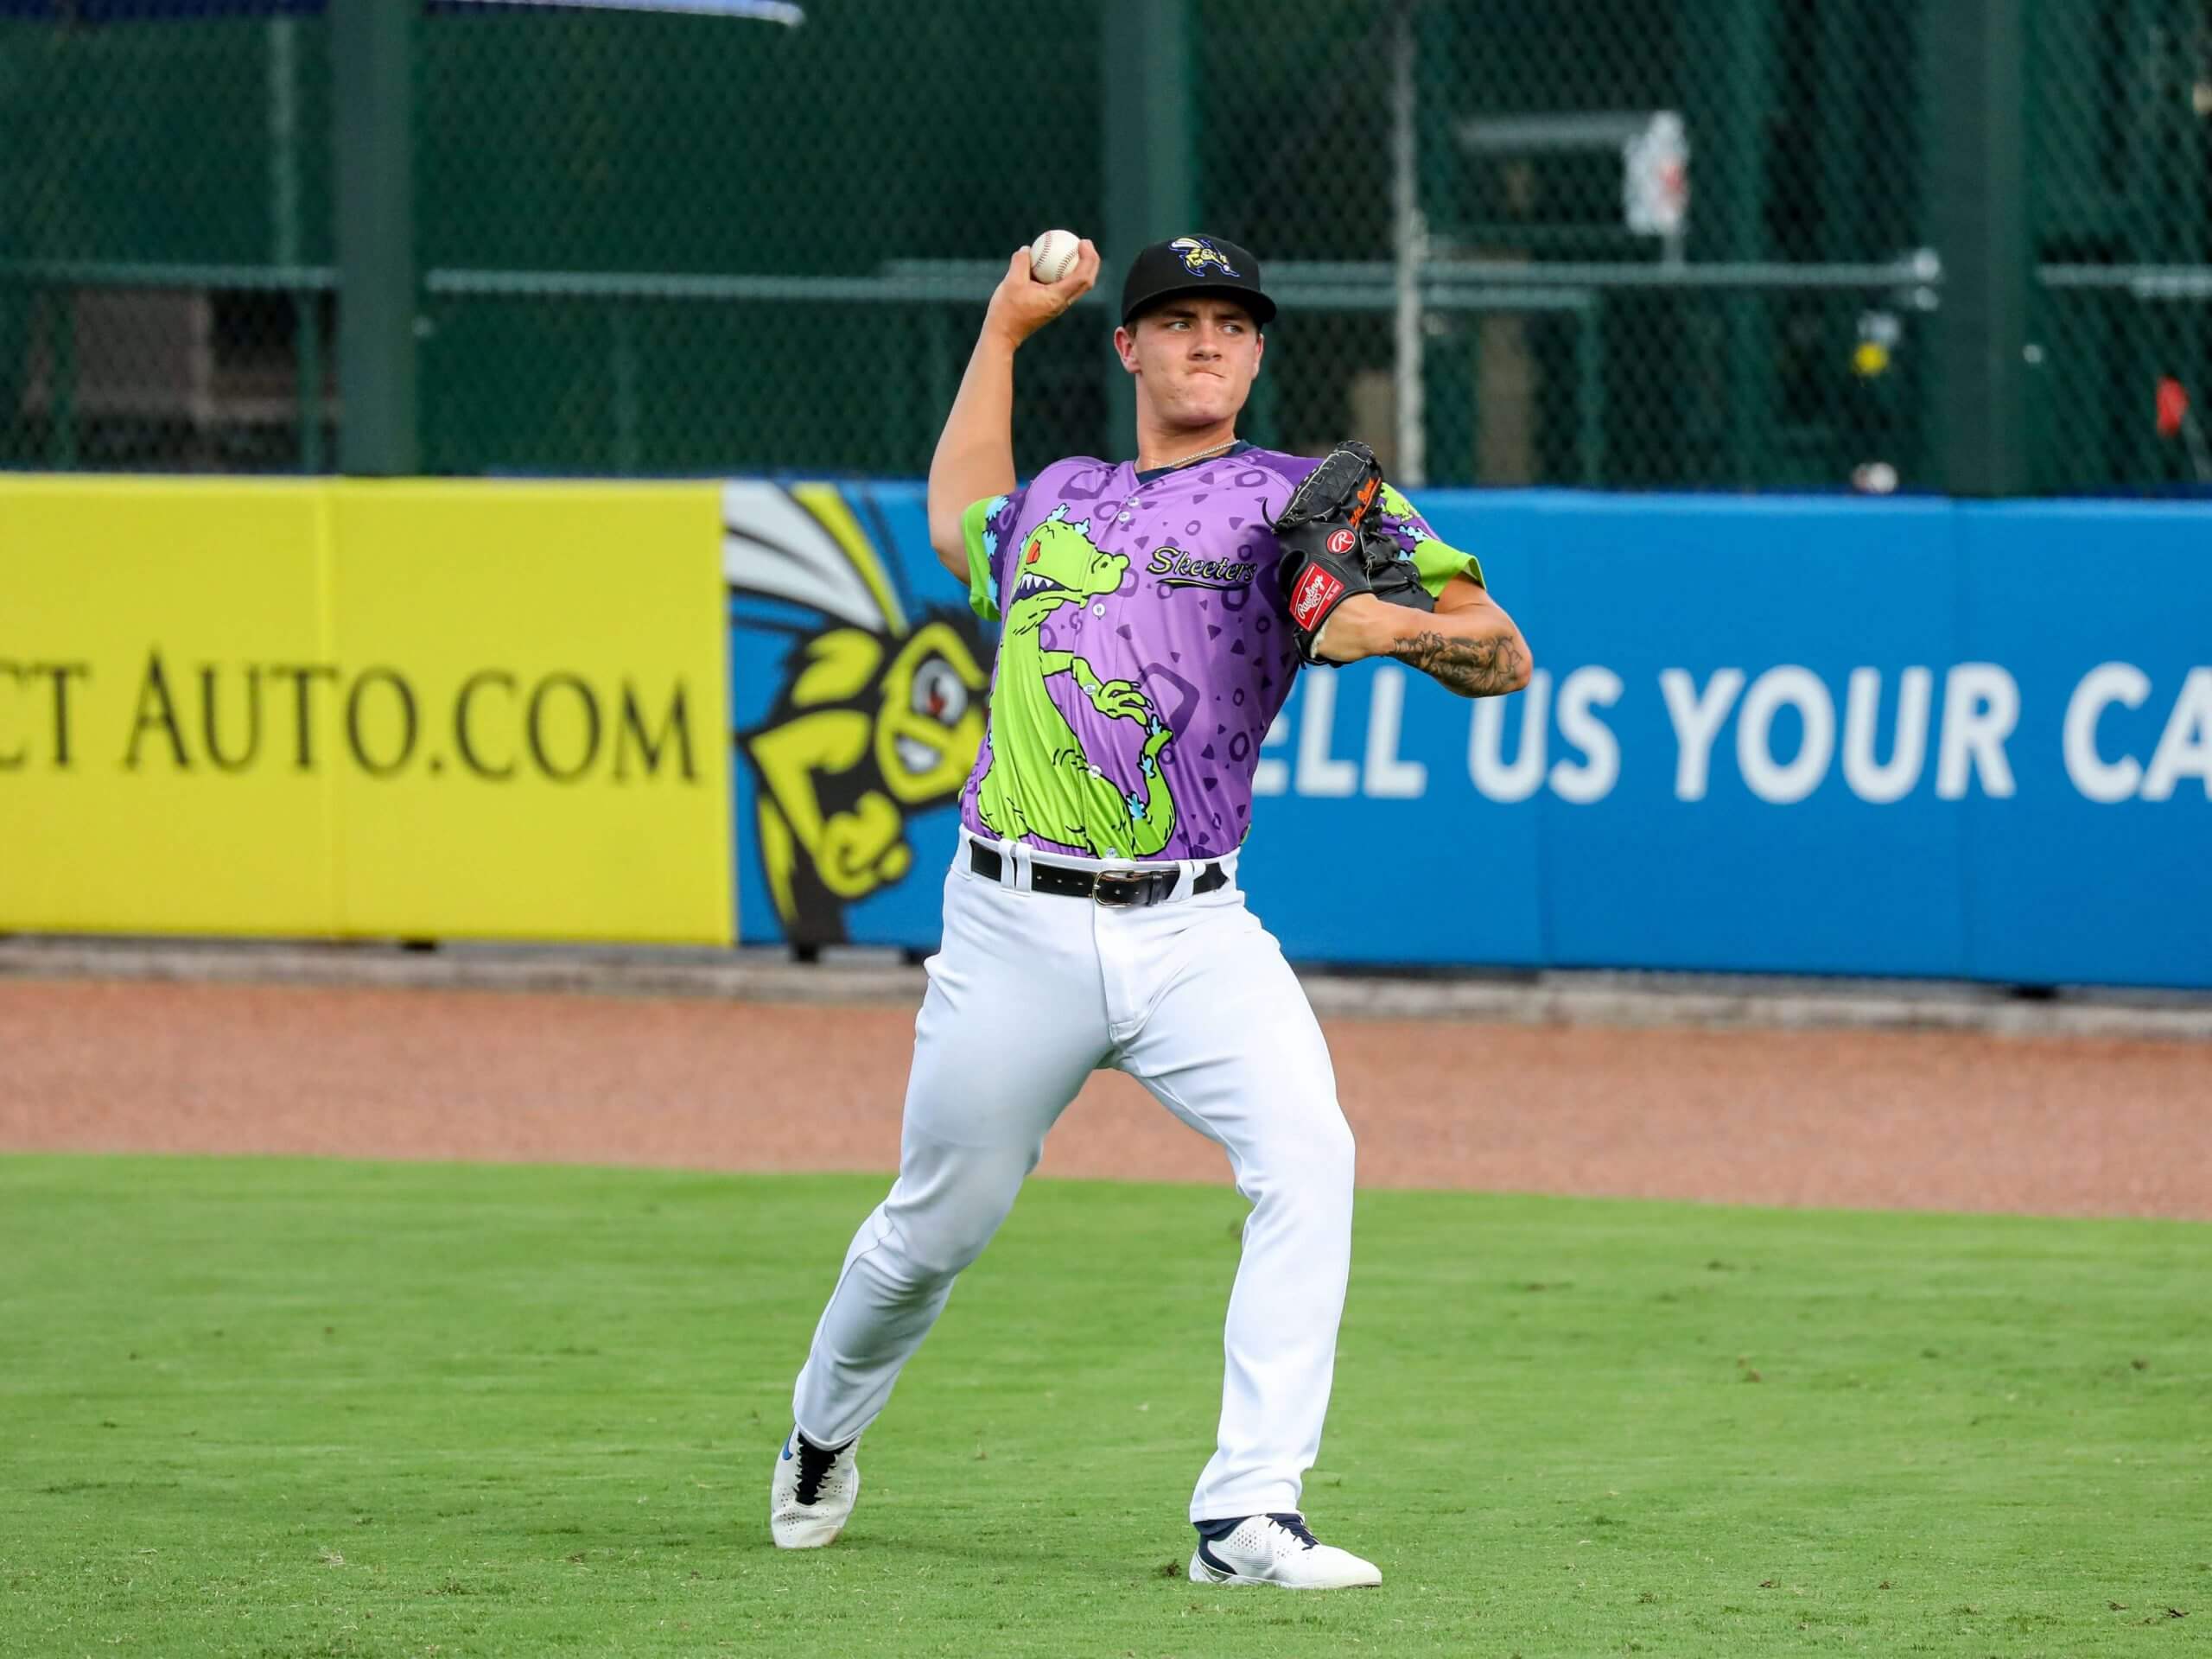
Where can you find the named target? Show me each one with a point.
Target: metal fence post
(61, 404)
(372, 43)
(1409, 236)
(17, 307)
(1589, 321)
(2170, 160)
(1746, 63)
(18, 301)
(1149, 156)
(1977, 183)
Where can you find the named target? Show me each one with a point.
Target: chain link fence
(1625, 243)
(2120, 206)
(166, 288)
(660, 242)
(1651, 239)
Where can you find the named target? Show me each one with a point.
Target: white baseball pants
(1029, 994)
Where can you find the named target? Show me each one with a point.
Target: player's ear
(1125, 345)
(1258, 348)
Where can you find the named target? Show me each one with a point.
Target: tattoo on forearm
(1473, 668)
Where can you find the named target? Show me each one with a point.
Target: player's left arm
(1467, 643)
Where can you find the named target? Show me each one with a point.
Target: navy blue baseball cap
(1194, 264)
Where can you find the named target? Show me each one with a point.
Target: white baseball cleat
(813, 1493)
(1277, 1549)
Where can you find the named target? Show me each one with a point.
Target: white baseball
(1051, 256)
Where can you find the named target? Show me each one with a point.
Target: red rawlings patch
(1312, 595)
(1342, 541)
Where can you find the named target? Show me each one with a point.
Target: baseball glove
(1333, 547)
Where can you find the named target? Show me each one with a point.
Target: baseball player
(1155, 612)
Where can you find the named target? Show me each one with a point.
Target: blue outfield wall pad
(1907, 737)
(2099, 870)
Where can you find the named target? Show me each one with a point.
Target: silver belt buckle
(1118, 889)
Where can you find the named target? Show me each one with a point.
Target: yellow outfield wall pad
(357, 708)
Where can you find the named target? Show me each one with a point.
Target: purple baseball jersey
(1146, 649)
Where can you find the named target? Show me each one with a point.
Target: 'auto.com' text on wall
(359, 707)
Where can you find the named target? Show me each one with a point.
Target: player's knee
(1326, 1153)
(950, 1201)
(946, 1245)
(1316, 1171)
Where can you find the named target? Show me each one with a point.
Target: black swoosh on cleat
(1213, 1563)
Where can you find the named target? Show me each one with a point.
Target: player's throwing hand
(1020, 305)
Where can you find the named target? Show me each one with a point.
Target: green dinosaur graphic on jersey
(1398, 507)
(1040, 781)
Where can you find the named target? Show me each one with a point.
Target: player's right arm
(975, 452)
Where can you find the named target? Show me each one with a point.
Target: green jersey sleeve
(985, 527)
(1435, 561)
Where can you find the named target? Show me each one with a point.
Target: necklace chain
(1200, 455)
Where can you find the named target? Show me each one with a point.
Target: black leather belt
(1118, 889)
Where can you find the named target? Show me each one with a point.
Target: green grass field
(293, 1408)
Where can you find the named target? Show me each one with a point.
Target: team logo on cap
(1199, 256)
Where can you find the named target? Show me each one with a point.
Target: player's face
(1194, 360)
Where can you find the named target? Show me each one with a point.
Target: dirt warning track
(1917, 1119)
